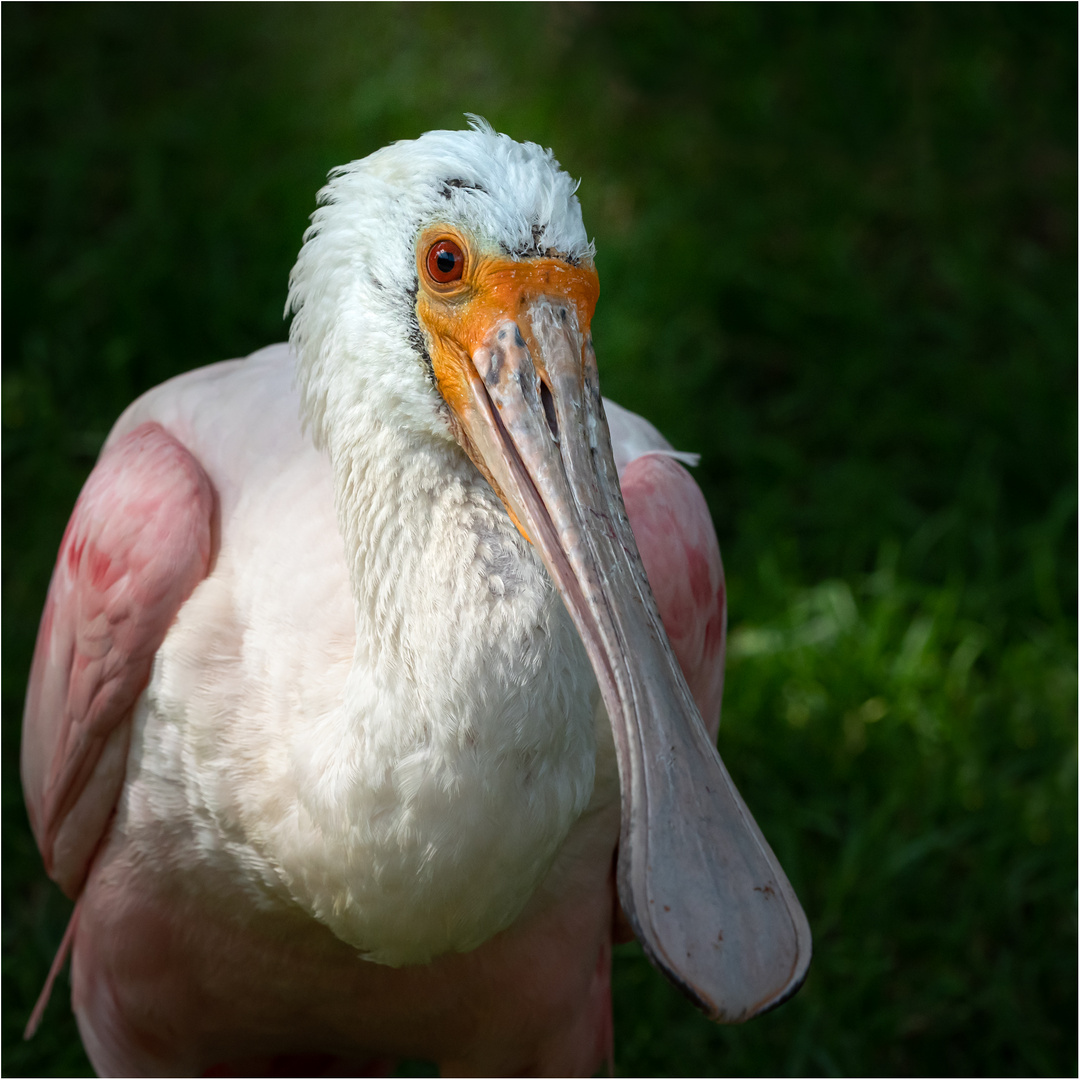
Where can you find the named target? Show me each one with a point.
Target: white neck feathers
(465, 747)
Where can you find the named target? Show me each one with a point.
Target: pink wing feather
(678, 546)
(138, 543)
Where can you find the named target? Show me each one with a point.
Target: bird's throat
(468, 719)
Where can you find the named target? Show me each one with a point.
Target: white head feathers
(353, 288)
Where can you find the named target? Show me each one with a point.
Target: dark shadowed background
(837, 253)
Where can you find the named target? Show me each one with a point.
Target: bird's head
(451, 280)
(413, 255)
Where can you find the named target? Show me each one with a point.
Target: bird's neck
(470, 708)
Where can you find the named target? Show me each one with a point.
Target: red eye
(445, 262)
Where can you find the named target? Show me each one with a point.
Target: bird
(377, 686)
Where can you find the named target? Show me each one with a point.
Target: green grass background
(837, 251)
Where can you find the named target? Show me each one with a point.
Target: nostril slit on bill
(549, 409)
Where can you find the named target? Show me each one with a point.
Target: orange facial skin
(459, 316)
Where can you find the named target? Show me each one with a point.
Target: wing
(138, 543)
(677, 542)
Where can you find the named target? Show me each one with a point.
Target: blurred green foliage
(837, 249)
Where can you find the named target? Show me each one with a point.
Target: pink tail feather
(57, 964)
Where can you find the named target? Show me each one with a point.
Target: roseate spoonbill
(349, 670)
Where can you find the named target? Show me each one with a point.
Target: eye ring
(445, 261)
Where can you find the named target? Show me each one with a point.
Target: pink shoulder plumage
(678, 546)
(138, 543)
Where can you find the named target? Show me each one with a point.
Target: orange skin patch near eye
(459, 317)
